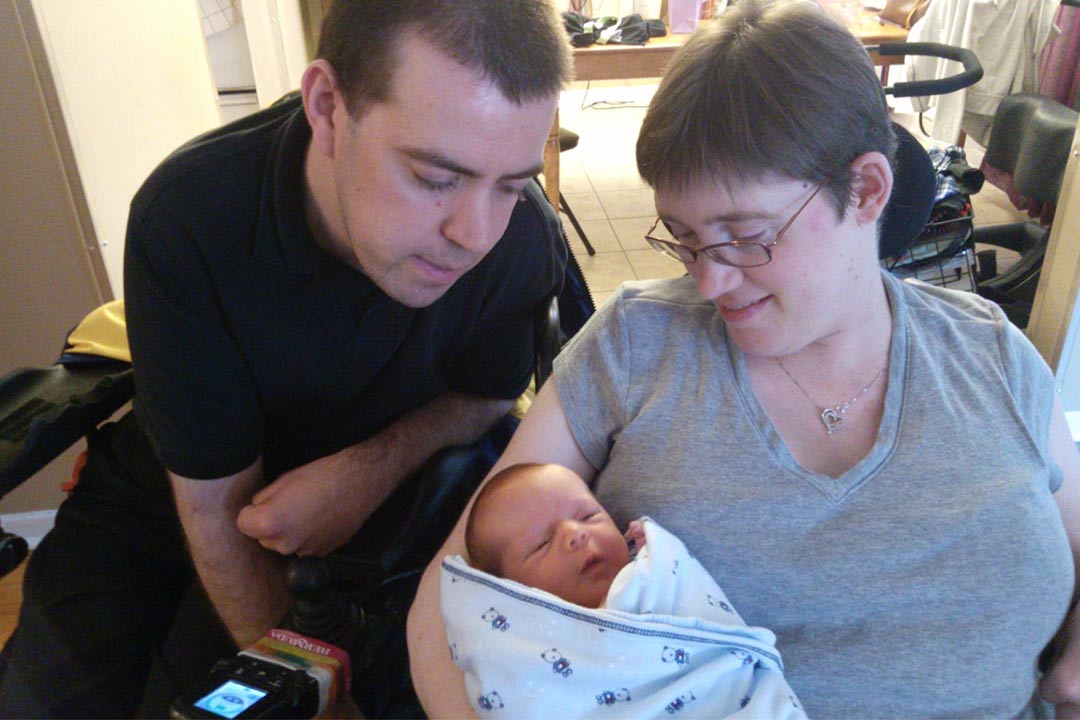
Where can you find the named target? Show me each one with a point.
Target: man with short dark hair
(317, 302)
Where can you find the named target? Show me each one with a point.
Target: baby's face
(551, 533)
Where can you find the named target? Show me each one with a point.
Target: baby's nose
(577, 535)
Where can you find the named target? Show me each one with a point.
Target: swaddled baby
(636, 627)
(540, 525)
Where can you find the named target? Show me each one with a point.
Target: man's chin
(436, 274)
(418, 295)
(422, 285)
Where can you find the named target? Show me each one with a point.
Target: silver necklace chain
(832, 417)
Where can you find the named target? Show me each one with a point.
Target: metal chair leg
(573, 221)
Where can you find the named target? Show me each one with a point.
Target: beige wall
(278, 34)
(133, 80)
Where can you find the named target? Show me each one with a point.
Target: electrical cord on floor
(608, 104)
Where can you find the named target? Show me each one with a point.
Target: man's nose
(715, 279)
(472, 223)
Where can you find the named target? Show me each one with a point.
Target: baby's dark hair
(480, 557)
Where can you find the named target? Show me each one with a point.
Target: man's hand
(316, 508)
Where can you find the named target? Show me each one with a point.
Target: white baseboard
(31, 526)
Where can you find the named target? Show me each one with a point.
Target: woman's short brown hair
(772, 87)
(520, 45)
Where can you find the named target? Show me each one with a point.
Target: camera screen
(230, 699)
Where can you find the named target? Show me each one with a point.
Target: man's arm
(243, 580)
(543, 436)
(314, 509)
(1061, 685)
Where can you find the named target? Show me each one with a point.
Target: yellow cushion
(102, 332)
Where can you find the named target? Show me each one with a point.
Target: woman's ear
(322, 103)
(872, 186)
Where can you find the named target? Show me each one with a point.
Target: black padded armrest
(548, 340)
(43, 411)
(1032, 137)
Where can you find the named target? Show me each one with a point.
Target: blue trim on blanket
(586, 616)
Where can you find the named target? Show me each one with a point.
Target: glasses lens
(743, 255)
(675, 252)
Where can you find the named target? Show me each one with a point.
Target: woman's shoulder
(960, 321)
(944, 308)
(648, 318)
(667, 295)
(658, 308)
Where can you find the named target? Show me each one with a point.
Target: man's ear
(872, 186)
(323, 104)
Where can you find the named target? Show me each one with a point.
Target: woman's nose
(714, 279)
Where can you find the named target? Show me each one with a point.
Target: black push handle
(972, 73)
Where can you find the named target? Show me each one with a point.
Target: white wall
(134, 82)
(279, 53)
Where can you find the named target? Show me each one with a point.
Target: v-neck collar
(836, 489)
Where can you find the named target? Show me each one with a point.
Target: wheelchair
(1031, 138)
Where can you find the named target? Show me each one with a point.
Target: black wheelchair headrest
(914, 186)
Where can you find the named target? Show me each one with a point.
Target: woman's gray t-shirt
(925, 580)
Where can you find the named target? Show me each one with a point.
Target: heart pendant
(832, 419)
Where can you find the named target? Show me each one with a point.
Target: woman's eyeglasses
(736, 253)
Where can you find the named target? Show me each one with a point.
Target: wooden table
(627, 62)
(871, 31)
(624, 62)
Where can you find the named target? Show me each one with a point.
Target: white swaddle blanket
(668, 643)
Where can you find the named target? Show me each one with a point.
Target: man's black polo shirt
(248, 339)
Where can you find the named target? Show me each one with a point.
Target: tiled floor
(600, 181)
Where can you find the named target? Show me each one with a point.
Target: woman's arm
(1061, 685)
(543, 436)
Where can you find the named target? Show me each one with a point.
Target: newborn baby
(541, 526)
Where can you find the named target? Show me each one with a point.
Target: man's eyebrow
(433, 158)
(526, 173)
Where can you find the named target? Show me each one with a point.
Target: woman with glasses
(876, 470)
